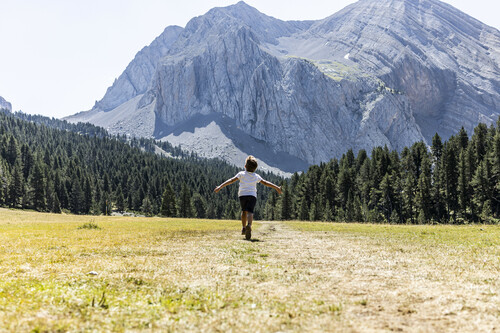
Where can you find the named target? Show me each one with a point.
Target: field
(81, 273)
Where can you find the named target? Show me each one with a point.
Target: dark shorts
(247, 203)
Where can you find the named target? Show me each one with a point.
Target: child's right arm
(227, 182)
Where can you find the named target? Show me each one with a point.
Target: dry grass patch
(416, 278)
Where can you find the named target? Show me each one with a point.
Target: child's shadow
(255, 240)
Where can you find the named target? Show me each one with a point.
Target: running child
(248, 192)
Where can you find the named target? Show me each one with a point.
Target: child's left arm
(271, 185)
(227, 182)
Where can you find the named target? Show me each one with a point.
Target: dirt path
(341, 282)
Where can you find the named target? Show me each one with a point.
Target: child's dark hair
(251, 164)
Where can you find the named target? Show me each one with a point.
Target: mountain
(4, 105)
(379, 72)
(138, 74)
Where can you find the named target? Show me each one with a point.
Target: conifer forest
(53, 166)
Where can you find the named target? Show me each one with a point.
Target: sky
(57, 57)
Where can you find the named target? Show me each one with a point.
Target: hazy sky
(58, 57)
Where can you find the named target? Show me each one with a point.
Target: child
(248, 192)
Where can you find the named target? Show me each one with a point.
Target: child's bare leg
(248, 229)
(249, 218)
(244, 218)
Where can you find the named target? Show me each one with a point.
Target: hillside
(82, 169)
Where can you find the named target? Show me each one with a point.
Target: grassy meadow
(63, 273)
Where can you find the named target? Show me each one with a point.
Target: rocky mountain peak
(222, 18)
(379, 72)
(4, 105)
(136, 77)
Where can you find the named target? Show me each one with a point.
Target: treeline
(82, 128)
(456, 181)
(53, 166)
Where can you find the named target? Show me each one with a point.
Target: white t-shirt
(248, 183)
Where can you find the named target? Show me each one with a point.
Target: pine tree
(230, 210)
(479, 184)
(328, 213)
(46, 158)
(147, 207)
(423, 195)
(386, 197)
(437, 148)
(365, 181)
(56, 206)
(105, 186)
(409, 185)
(344, 186)
(463, 185)
(286, 203)
(211, 212)
(49, 190)
(16, 187)
(489, 187)
(437, 191)
(199, 206)
(358, 210)
(495, 172)
(168, 204)
(329, 192)
(12, 151)
(304, 210)
(87, 195)
(38, 186)
(105, 205)
(119, 199)
(270, 207)
(27, 160)
(185, 206)
(350, 210)
(315, 213)
(58, 188)
(450, 167)
(3, 186)
(480, 142)
(76, 198)
(395, 218)
(463, 139)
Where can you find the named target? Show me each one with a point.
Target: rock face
(137, 76)
(4, 105)
(379, 72)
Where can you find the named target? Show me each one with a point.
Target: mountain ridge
(4, 104)
(366, 76)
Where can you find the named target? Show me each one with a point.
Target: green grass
(95, 273)
(45, 260)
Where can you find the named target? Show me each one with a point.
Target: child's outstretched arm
(227, 182)
(271, 185)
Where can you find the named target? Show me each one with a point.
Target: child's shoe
(248, 232)
(243, 231)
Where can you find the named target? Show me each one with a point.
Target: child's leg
(244, 218)
(249, 218)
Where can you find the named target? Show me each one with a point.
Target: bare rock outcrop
(379, 72)
(4, 105)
